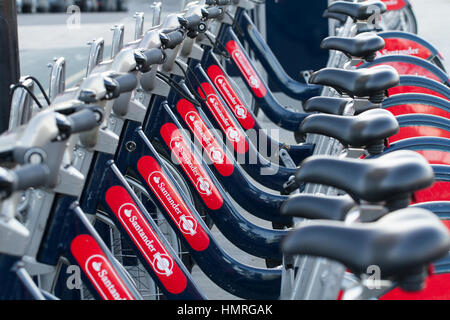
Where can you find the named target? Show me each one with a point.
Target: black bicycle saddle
(368, 129)
(330, 105)
(391, 177)
(357, 11)
(399, 243)
(311, 206)
(342, 18)
(363, 46)
(367, 82)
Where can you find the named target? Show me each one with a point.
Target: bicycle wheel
(401, 20)
(125, 254)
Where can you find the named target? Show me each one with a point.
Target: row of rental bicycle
(110, 189)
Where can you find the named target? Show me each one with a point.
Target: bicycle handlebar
(212, 12)
(22, 178)
(171, 39)
(127, 82)
(192, 23)
(146, 58)
(119, 83)
(85, 119)
(32, 175)
(218, 2)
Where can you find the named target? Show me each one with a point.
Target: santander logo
(239, 110)
(215, 103)
(160, 260)
(224, 118)
(191, 165)
(186, 222)
(230, 96)
(147, 242)
(401, 45)
(202, 134)
(409, 51)
(252, 78)
(173, 204)
(233, 134)
(98, 268)
(247, 70)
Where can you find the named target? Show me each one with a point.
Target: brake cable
(189, 84)
(40, 88)
(19, 85)
(221, 52)
(177, 87)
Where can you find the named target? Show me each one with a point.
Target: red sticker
(225, 120)
(191, 166)
(419, 131)
(145, 239)
(230, 96)
(98, 269)
(244, 65)
(439, 191)
(414, 89)
(396, 46)
(436, 288)
(398, 110)
(435, 156)
(173, 203)
(201, 132)
(394, 4)
(406, 68)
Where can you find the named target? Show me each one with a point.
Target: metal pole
(9, 57)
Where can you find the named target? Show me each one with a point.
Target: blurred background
(50, 29)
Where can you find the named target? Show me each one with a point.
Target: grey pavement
(44, 36)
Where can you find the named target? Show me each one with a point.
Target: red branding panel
(418, 108)
(201, 132)
(225, 120)
(419, 131)
(98, 269)
(173, 203)
(191, 166)
(145, 239)
(394, 4)
(406, 68)
(403, 47)
(439, 191)
(414, 89)
(436, 157)
(246, 69)
(436, 288)
(232, 99)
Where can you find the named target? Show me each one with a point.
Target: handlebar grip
(212, 12)
(190, 22)
(7, 181)
(146, 58)
(85, 120)
(155, 56)
(127, 82)
(171, 39)
(223, 2)
(30, 175)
